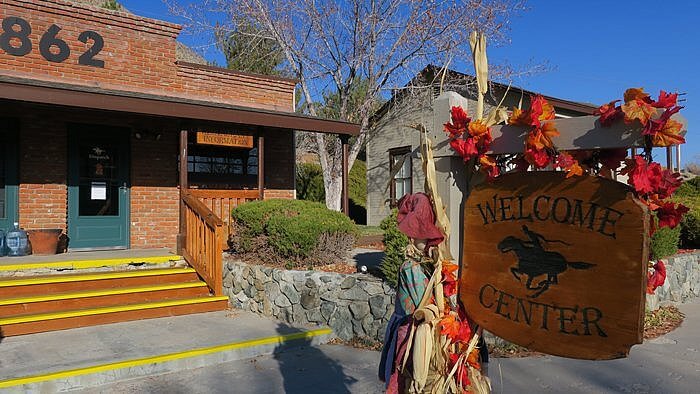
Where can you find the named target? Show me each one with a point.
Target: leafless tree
(331, 45)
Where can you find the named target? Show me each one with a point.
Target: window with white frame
(400, 166)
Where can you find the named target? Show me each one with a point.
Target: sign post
(556, 264)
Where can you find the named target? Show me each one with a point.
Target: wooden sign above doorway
(219, 139)
(557, 264)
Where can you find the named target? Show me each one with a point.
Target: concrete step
(85, 262)
(93, 356)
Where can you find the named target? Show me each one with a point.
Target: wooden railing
(202, 246)
(221, 202)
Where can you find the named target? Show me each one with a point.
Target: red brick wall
(138, 54)
(42, 173)
(246, 90)
(155, 196)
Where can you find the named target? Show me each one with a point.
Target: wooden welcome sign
(557, 264)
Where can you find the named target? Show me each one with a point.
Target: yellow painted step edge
(83, 264)
(277, 339)
(105, 310)
(98, 293)
(24, 281)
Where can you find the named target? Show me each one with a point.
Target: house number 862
(51, 47)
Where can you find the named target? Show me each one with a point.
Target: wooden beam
(261, 166)
(345, 203)
(184, 185)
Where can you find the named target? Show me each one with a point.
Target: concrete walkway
(108, 353)
(669, 364)
(325, 369)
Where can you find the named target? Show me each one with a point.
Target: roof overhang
(51, 93)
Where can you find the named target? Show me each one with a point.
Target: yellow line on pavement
(277, 339)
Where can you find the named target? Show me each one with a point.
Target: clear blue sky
(595, 50)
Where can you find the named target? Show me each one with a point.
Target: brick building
(95, 113)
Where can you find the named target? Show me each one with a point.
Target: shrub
(291, 232)
(395, 243)
(689, 194)
(664, 242)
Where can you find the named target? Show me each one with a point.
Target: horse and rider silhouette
(535, 261)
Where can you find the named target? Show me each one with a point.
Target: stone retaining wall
(682, 281)
(355, 305)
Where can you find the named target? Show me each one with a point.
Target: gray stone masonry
(682, 281)
(354, 305)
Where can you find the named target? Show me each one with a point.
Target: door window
(99, 180)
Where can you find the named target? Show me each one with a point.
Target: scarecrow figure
(416, 219)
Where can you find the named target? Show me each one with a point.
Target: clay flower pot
(44, 241)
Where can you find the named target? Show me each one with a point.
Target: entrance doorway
(98, 187)
(8, 174)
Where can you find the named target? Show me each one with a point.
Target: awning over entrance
(44, 92)
(95, 97)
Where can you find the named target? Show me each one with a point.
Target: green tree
(247, 49)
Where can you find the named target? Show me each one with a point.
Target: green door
(98, 187)
(8, 174)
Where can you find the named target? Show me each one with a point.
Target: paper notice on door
(98, 191)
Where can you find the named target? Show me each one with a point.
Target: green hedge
(395, 243)
(689, 194)
(293, 232)
(664, 242)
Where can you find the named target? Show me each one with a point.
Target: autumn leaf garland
(652, 183)
(653, 116)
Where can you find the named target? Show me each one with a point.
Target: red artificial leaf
(465, 148)
(645, 178)
(462, 374)
(670, 214)
(488, 165)
(454, 329)
(537, 157)
(608, 113)
(657, 278)
(449, 279)
(459, 123)
(565, 160)
(539, 110)
(666, 100)
(669, 182)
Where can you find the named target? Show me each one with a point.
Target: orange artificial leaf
(478, 129)
(574, 170)
(633, 94)
(543, 109)
(449, 326)
(639, 110)
(449, 279)
(519, 117)
(549, 130)
(473, 358)
(669, 134)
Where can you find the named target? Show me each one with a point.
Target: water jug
(3, 251)
(17, 242)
